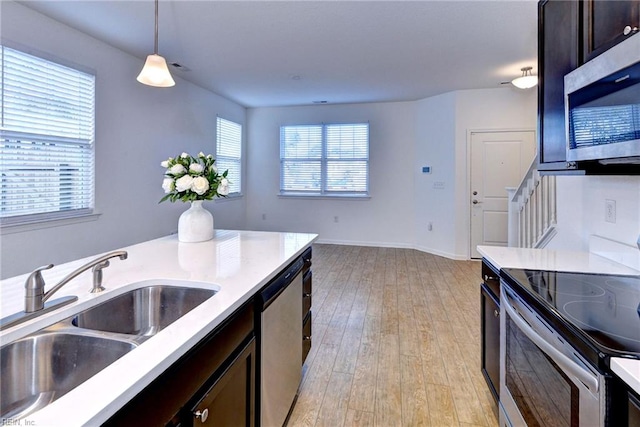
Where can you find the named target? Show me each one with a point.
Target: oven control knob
(628, 30)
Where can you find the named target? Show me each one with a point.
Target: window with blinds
(46, 139)
(324, 160)
(229, 153)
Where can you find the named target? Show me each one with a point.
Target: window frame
(324, 161)
(238, 159)
(43, 219)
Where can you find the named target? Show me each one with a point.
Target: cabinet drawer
(306, 292)
(306, 256)
(491, 279)
(306, 336)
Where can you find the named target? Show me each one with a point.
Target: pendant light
(527, 80)
(155, 71)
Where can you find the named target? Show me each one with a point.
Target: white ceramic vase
(195, 224)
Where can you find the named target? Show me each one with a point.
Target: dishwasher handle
(280, 283)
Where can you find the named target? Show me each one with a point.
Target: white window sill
(229, 198)
(324, 196)
(47, 223)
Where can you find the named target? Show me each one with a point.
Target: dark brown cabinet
(607, 23)
(218, 370)
(231, 399)
(307, 276)
(557, 55)
(634, 410)
(490, 328)
(571, 32)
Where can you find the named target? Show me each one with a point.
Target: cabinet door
(607, 23)
(231, 399)
(557, 56)
(634, 410)
(490, 326)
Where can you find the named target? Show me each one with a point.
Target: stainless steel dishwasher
(280, 345)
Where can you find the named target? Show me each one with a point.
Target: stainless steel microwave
(602, 107)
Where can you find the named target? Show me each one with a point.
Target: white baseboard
(393, 245)
(363, 243)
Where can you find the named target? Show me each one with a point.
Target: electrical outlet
(610, 211)
(264, 216)
(336, 219)
(430, 226)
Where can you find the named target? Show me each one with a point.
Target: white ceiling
(276, 53)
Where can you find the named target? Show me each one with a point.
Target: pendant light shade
(155, 71)
(526, 81)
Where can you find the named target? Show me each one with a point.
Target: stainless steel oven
(544, 381)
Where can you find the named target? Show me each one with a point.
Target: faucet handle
(34, 287)
(35, 280)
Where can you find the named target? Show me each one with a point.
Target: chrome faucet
(35, 296)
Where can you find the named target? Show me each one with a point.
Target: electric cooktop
(606, 308)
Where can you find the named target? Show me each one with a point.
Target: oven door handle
(567, 365)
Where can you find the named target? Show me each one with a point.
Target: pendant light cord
(155, 46)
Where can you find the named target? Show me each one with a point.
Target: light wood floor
(396, 341)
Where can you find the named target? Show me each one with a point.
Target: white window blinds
(229, 153)
(327, 159)
(46, 139)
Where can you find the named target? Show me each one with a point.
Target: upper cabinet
(570, 33)
(557, 56)
(607, 23)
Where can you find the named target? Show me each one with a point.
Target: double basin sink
(40, 368)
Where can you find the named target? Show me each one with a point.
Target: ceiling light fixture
(155, 71)
(527, 80)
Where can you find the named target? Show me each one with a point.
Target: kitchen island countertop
(239, 262)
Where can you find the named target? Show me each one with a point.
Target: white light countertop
(573, 261)
(552, 260)
(628, 370)
(239, 262)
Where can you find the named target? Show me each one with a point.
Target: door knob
(475, 193)
(475, 202)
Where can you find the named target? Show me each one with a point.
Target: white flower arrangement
(189, 178)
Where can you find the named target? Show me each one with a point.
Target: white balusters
(534, 204)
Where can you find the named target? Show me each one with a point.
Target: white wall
(386, 219)
(136, 128)
(435, 147)
(443, 126)
(404, 137)
(581, 210)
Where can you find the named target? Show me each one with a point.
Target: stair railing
(533, 210)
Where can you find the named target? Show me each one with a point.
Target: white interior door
(498, 160)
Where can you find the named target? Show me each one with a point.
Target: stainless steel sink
(38, 369)
(144, 311)
(42, 367)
